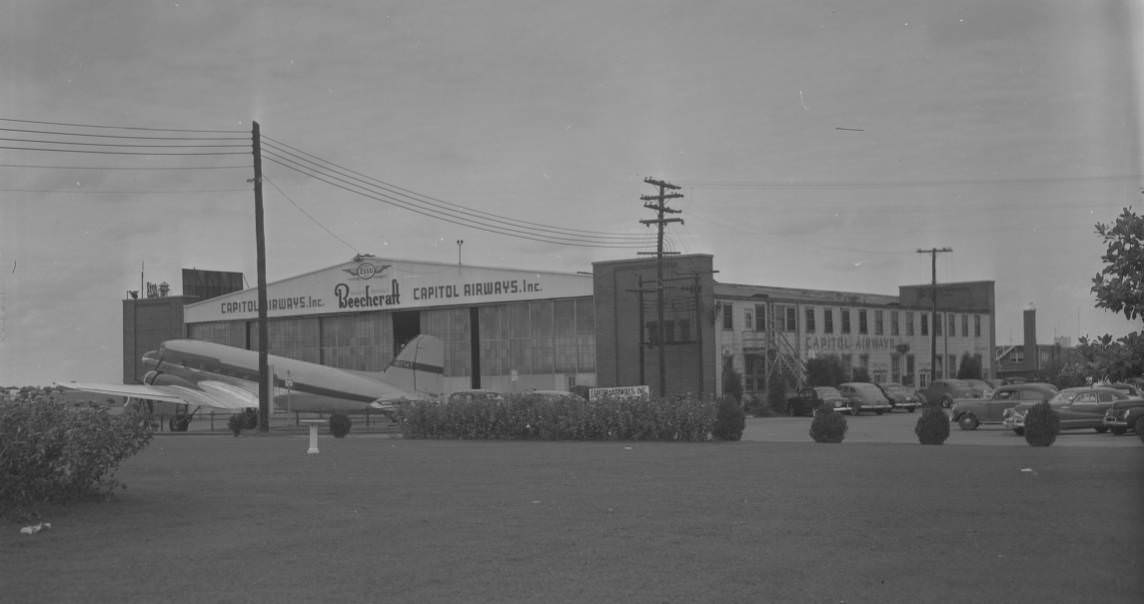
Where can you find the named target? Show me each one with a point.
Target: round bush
(730, 420)
(828, 426)
(236, 423)
(932, 427)
(339, 425)
(1042, 424)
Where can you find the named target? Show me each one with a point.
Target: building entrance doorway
(406, 326)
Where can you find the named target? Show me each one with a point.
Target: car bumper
(1012, 422)
(1113, 422)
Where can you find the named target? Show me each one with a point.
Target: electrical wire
(389, 200)
(887, 184)
(298, 155)
(126, 152)
(57, 167)
(128, 136)
(82, 192)
(43, 123)
(126, 145)
(308, 215)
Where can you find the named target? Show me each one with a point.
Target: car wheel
(1019, 431)
(968, 422)
(1119, 430)
(946, 402)
(1101, 429)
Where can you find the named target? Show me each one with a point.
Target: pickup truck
(969, 413)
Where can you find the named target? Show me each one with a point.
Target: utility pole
(265, 382)
(661, 222)
(933, 252)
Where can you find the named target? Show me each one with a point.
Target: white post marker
(313, 450)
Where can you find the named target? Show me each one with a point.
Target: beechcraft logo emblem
(366, 270)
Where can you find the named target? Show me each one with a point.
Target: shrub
(51, 452)
(251, 417)
(730, 420)
(932, 427)
(236, 423)
(534, 417)
(828, 426)
(340, 425)
(1042, 424)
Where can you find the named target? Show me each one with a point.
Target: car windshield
(895, 388)
(828, 392)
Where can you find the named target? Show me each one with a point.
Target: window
(845, 320)
(952, 324)
(728, 316)
(862, 329)
(810, 320)
(952, 365)
(791, 319)
(925, 325)
(937, 322)
(828, 320)
(895, 367)
(908, 380)
(747, 319)
(977, 326)
(760, 317)
(652, 333)
(684, 326)
(965, 326)
(780, 317)
(879, 328)
(910, 323)
(938, 373)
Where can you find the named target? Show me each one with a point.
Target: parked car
(1126, 415)
(983, 386)
(808, 400)
(901, 397)
(1132, 389)
(972, 412)
(864, 396)
(1078, 408)
(943, 392)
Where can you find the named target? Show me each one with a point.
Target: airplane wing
(214, 394)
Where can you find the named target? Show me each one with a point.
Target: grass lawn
(255, 519)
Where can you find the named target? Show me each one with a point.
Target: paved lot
(898, 427)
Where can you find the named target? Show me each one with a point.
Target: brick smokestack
(1031, 359)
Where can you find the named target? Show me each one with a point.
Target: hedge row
(532, 417)
(52, 452)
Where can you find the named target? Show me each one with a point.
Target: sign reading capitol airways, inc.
(370, 284)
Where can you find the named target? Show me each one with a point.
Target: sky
(818, 144)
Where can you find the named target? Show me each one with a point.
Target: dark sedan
(1078, 408)
(864, 396)
(901, 397)
(808, 400)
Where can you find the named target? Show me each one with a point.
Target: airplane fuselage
(298, 385)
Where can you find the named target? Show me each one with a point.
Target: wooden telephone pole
(933, 252)
(265, 380)
(661, 209)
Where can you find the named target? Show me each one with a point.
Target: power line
(126, 152)
(389, 200)
(152, 192)
(56, 167)
(308, 215)
(126, 136)
(414, 197)
(43, 123)
(125, 145)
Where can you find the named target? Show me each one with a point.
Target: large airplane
(204, 374)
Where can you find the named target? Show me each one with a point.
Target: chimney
(1032, 361)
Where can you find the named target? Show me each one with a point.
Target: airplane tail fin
(420, 367)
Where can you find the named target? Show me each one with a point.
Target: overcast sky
(819, 144)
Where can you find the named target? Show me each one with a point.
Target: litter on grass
(32, 529)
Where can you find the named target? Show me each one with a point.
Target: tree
(825, 371)
(1119, 286)
(969, 367)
